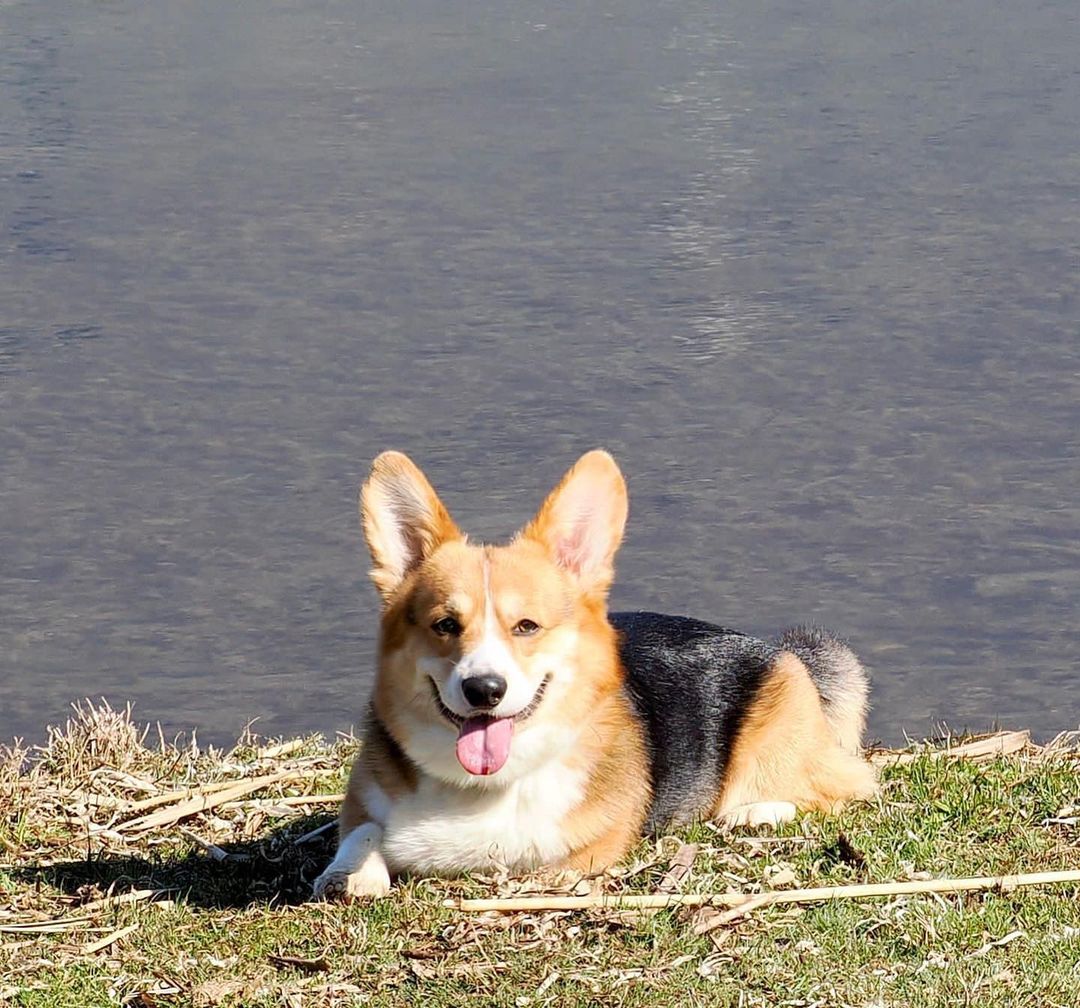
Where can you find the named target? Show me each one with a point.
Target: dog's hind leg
(787, 756)
(765, 813)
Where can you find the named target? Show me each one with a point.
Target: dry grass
(135, 870)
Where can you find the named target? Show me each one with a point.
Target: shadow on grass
(271, 870)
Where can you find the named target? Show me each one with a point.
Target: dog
(516, 725)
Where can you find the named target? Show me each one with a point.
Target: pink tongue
(483, 744)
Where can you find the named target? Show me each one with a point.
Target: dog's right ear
(404, 521)
(581, 523)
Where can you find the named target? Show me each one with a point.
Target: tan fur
(580, 745)
(353, 812)
(604, 827)
(609, 820)
(555, 573)
(379, 763)
(787, 751)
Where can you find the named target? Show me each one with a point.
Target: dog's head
(491, 657)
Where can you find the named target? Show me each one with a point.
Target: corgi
(515, 724)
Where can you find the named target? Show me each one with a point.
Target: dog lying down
(515, 723)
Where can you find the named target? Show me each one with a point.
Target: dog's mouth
(521, 715)
(483, 742)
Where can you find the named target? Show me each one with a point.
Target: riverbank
(135, 870)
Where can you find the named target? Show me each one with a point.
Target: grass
(227, 922)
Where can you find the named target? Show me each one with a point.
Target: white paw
(358, 870)
(771, 813)
(371, 881)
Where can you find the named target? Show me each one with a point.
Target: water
(810, 272)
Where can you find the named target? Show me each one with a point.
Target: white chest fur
(444, 829)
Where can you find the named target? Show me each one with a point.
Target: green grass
(238, 932)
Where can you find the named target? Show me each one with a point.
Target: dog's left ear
(581, 523)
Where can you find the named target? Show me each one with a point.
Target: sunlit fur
(575, 652)
(787, 749)
(576, 788)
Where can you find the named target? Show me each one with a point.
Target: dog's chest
(442, 829)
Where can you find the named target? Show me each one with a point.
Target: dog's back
(705, 692)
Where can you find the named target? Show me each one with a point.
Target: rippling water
(810, 272)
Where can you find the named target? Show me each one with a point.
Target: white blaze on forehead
(491, 617)
(492, 656)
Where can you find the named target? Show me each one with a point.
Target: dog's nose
(484, 691)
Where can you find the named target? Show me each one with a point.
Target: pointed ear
(582, 521)
(404, 520)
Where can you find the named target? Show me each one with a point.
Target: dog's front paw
(771, 813)
(368, 882)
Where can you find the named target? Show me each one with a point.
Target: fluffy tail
(840, 678)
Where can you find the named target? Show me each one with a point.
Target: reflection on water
(810, 274)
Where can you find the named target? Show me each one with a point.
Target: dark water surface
(809, 271)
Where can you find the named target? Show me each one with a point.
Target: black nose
(484, 691)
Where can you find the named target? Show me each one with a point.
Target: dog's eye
(446, 627)
(525, 628)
